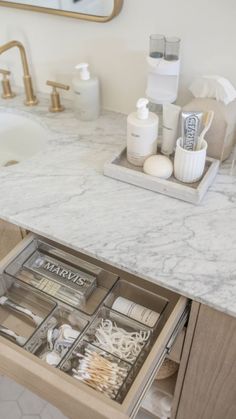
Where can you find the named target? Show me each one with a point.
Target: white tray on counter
(119, 168)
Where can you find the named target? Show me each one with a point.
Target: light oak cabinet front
(205, 387)
(209, 386)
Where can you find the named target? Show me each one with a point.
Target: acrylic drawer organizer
(119, 168)
(98, 369)
(119, 335)
(57, 335)
(22, 311)
(121, 341)
(116, 337)
(137, 296)
(70, 317)
(62, 276)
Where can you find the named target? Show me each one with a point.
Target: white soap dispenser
(86, 94)
(142, 133)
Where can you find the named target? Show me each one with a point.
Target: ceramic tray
(119, 168)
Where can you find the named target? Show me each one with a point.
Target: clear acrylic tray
(59, 274)
(22, 311)
(151, 306)
(57, 335)
(98, 369)
(119, 335)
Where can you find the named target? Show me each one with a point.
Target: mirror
(96, 10)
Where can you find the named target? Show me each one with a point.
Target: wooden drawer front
(73, 398)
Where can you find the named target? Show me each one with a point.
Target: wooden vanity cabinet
(206, 352)
(209, 371)
(206, 382)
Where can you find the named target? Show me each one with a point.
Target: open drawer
(74, 398)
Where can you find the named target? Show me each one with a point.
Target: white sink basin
(20, 138)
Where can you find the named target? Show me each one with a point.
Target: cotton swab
(101, 374)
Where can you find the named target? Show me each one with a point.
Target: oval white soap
(159, 166)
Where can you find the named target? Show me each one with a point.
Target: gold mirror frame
(116, 10)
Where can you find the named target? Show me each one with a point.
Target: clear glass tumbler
(157, 46)
(172, 46)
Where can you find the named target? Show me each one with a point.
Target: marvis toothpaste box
(61, 272)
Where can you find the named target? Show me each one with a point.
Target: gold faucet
(29, 92)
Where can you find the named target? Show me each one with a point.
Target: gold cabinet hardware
(29, 92)
(6, 86)
(55, 97)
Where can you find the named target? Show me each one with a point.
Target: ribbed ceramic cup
(189, 165)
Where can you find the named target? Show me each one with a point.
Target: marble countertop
(61, 193)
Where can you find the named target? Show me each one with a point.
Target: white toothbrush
(208, 118)
(4, 301)
(9, 333)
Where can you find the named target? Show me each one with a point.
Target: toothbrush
(208, 118)
(9, 333)
(4, 301)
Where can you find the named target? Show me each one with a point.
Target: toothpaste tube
(191, 123)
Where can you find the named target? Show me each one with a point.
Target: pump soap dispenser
(142, 133)
(87, 94)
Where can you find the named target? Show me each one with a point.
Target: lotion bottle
(142, 133)
(86, 94)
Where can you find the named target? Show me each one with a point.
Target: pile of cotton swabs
(100, 373)
(119, 342)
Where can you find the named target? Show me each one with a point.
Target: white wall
(117, 49)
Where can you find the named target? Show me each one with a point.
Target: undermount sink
(20, 138)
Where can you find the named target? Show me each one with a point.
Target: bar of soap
(159, 166)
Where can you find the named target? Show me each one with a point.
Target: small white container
(136, 311)
(189, 165)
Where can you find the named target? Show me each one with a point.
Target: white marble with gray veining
(61, 193)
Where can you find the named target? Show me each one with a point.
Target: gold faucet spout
(29, 92)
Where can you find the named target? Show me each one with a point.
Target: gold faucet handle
(5, 72)
(58, 85)
(55, 97)
(6, 86)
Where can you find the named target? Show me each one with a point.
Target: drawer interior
(105, 335)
